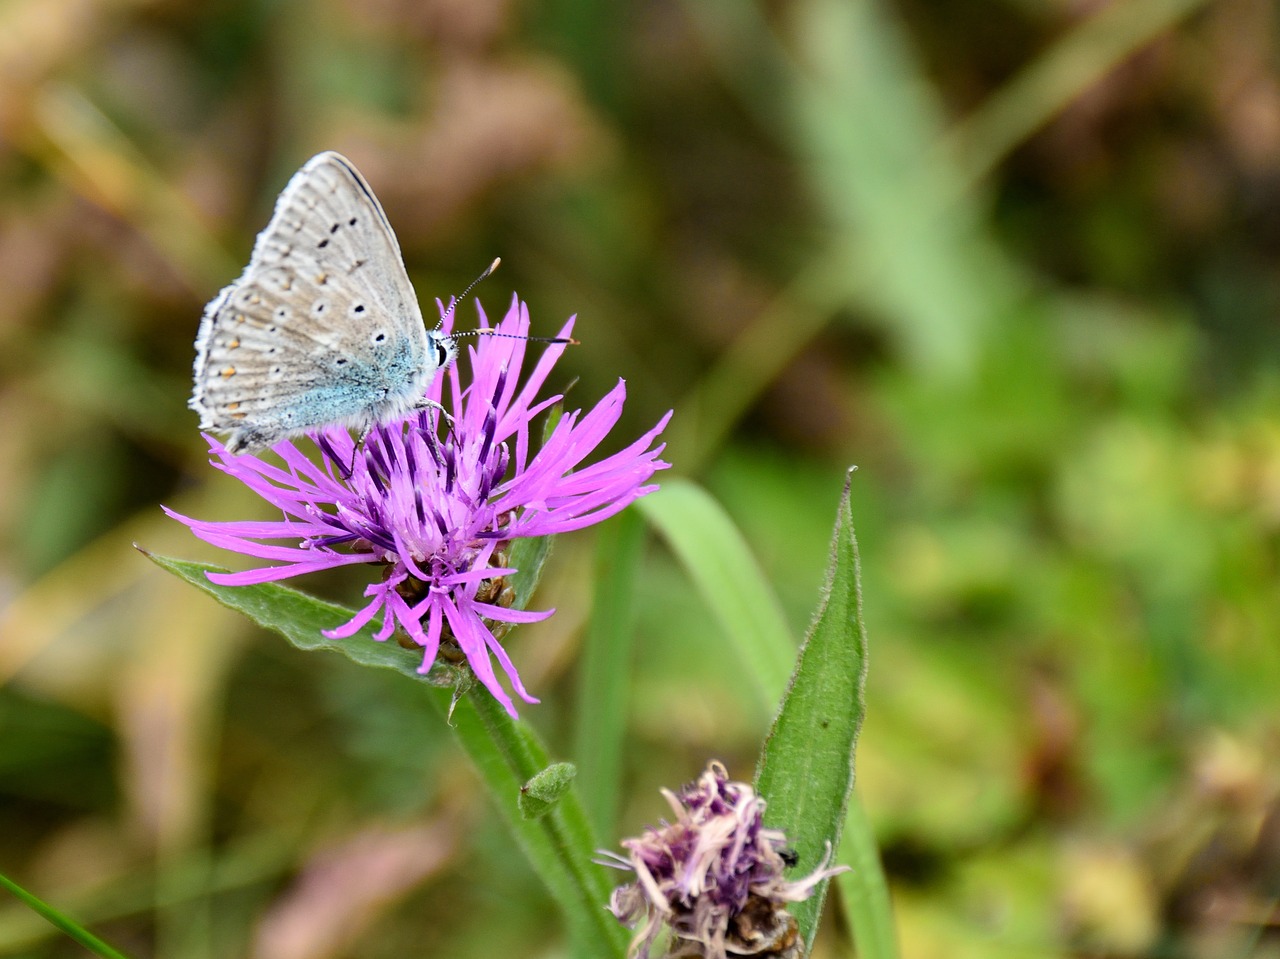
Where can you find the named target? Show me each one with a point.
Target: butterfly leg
(356, 448)
(426, 404)
(432, 438)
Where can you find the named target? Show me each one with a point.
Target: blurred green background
(1019, 261)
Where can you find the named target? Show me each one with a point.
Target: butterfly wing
(323, 326)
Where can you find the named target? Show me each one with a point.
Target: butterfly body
(322, 328)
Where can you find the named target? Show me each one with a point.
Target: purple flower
(714, 876)
(439, 513)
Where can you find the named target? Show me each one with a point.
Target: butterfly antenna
(470, 286)
(484, 331)
(487, 332)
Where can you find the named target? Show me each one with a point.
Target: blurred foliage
(1018, 261)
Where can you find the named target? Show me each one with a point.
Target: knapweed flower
(714, 877)
(438, 513)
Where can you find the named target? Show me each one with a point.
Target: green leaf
(295, 615)
(527, 556)
(301, 618)
(807, 764)
(541, 793)
(719, 560)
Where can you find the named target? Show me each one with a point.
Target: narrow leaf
(301, 618)
(295, 615)
(527, 556)
(807, 764)
(719, 560)
(69, 926)
(606, 668)
(864, 889)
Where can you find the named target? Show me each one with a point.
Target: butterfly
(323, 327)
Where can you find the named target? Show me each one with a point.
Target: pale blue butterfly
(323, 327)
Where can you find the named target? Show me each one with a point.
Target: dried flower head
(438, 512)
(713, 876)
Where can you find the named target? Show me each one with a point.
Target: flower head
(438, 513)
(714, 876)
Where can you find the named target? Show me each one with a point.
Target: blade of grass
(716, 556)
(1047, 85)
(746, 50)
(867, 124)
(605, 676)
(266, 857)
(864, 889)
(73, 929)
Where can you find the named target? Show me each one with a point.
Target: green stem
(72, 929)
(559, 845)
